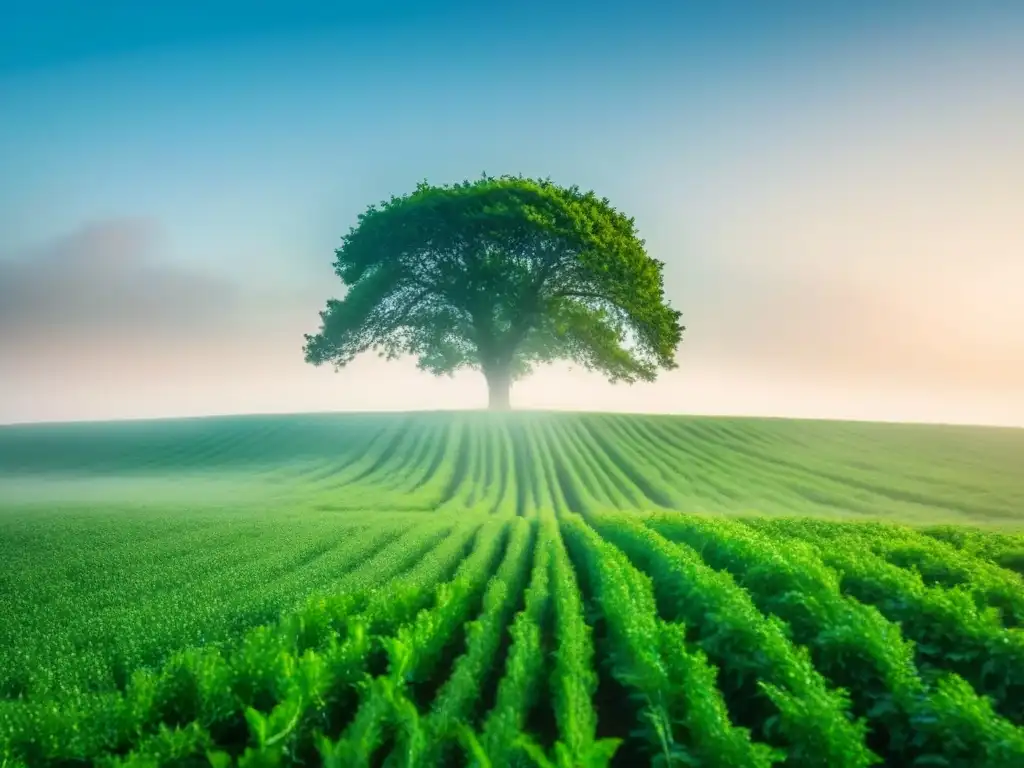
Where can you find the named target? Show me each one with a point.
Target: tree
(499, 275)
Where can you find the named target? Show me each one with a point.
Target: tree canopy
(500, 275)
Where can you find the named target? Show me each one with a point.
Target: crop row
(570, 640)
(488, 463)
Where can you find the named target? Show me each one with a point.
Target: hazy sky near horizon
(837, 190)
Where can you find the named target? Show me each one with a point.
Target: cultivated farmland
(511, 589)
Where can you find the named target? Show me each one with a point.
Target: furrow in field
(277, 445)
(574, 680)
(308, 467)
(791, 435)
(492, 480)
(421, 459)
(294, 442)
(623, 466)
(658, 455)
(493, 489)
(950, 631)
(392, 455)
(672, 470)
(436, 458)
(457, 489)
(209, 452)
(547, 467)
(517, 707)
(463, 490)
(828, 493)
(769, 685)
(477, 496)
(941, 474)
(133, 456)
(594, 464)
(490, 461)
(752, 432)
(994, 452)
(522, 470)
(472, 482)
(485, 489)
(457, 702)
(578, 488)
(511, 496)
(336, 635)
(324, 642)
(547, 494)
(417, 458)
(711, 479)
(935, 489)
(751, 485)
(439, 563)
(855, 648)
(1005, 551)
(618, 432)
(427, 496)
(347, 468)
(684, 716)
(444, 465)
(839, 489)
(417, 652)
(358, 469)
(394, 469)
(939, 564)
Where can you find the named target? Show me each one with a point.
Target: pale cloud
(99, 325)
(105, 279)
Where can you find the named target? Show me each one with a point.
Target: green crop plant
(510, 589)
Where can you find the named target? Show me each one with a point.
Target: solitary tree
(499, 275)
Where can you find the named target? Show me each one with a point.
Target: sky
(836, 189)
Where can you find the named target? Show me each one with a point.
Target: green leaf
(219, 759)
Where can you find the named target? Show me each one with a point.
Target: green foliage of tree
(499, 275)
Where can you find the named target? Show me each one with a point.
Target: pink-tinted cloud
(105, 280)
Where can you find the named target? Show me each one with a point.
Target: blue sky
(834, 188)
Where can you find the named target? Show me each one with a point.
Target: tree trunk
(499, 382)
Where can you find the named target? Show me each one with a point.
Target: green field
(511, 589)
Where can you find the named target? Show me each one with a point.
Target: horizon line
(411, 412)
